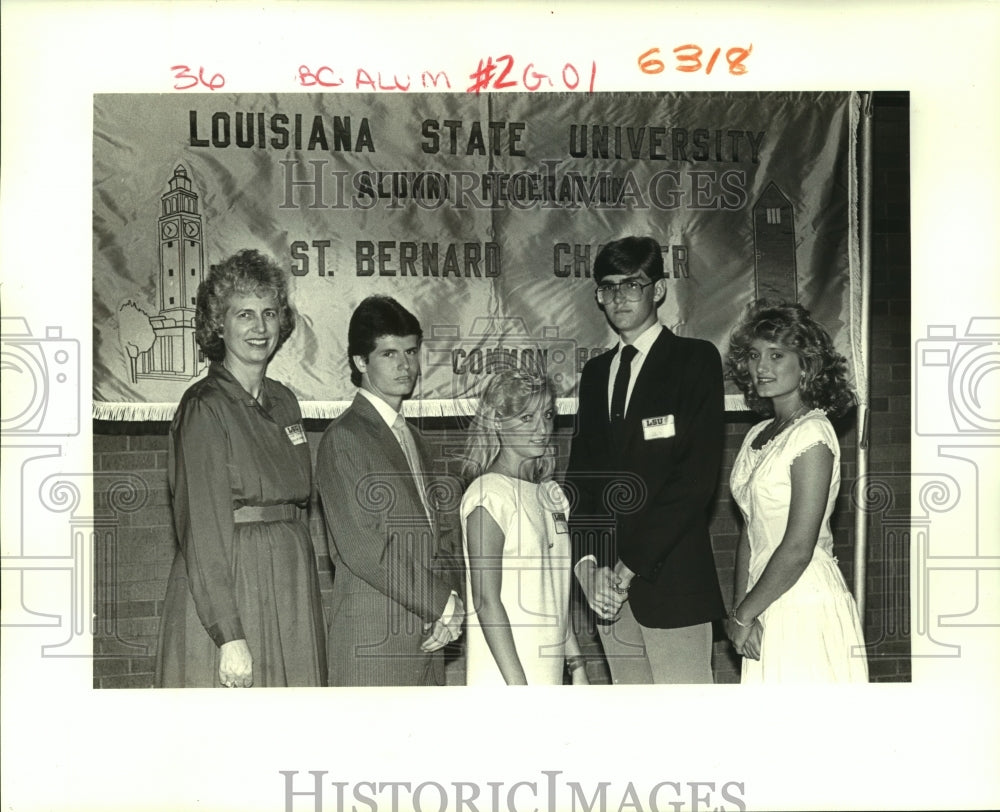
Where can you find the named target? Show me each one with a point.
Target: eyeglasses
(630, 289)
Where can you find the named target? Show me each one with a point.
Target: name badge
(559, 520)
(295, 434)
(658, 428)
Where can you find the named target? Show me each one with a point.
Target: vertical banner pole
(863, 341)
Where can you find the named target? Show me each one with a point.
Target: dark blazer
(394, 571)
(646, 501)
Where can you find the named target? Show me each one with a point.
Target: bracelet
(738, 622)
(575, 662)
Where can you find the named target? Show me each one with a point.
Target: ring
(620, 591)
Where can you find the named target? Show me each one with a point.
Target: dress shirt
(642, 345)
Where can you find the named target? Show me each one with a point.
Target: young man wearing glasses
(644, 465)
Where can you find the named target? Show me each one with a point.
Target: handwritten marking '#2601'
(501, 75)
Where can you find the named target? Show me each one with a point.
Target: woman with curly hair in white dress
(793, 618)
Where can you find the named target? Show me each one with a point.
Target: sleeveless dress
(812, 633)
(247, 573)
(535, 577)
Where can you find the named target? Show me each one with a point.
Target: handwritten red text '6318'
(689, 60)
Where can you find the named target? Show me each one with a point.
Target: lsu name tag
(561, 525)
(559, 520)
(658, 428)
(295, 434)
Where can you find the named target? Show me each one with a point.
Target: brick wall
(133, 561)
(887, 620)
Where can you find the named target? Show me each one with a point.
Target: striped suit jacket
(395, 567)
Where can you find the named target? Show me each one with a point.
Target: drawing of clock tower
(174, 353)
(182, 260)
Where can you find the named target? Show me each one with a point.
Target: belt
(267, 513)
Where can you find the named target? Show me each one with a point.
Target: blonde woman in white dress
(515, 529)
(793, 617)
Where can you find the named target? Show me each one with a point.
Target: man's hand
(457, 619)
(624, 575)
(441, 633)
(437, 637)
(599, 585)
(235, 664)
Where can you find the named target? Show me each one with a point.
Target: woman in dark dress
(243, 602)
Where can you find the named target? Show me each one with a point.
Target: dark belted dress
(240, 479)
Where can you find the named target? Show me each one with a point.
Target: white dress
(812, 633)
(535, 577)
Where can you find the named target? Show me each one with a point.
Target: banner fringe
(327, 410)
(134, 412)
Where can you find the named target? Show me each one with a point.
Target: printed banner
(482, 214)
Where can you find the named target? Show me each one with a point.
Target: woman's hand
(751, 648)
(736, 633)
(600, 588)
(745, 639)
(236, 664)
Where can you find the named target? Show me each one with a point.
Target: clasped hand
(605, 589)
(745, 639)
(440, 634)
(235, 664)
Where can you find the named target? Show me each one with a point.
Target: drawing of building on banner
(774, 247)
(166, 349)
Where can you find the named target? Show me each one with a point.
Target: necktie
(402, 432)
(621, 383)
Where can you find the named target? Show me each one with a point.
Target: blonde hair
(507, 394)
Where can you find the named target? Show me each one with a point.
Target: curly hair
(824, 371)
(507, 395)
(247, 272)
